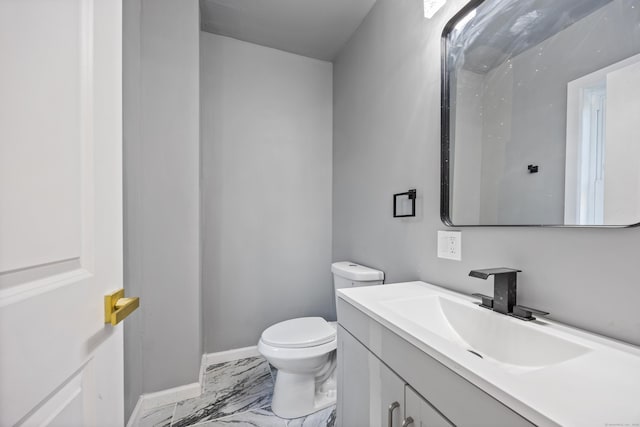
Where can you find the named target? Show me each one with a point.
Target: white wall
(387, 139)
(266, 189)
(163, 340)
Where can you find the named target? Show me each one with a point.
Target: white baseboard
(137, 411)
(150, 401)
(203, 368)
(228, 356)
(172, 395)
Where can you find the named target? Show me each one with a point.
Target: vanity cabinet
(376, 368)
(371, 394)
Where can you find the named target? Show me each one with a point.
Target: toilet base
(295, 395)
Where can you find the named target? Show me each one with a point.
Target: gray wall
(266, 189)
(387, 139)
(163, 340)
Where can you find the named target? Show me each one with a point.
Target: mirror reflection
(541, 113)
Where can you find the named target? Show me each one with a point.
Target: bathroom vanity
(415, 352)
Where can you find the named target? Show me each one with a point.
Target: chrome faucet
(504, 293)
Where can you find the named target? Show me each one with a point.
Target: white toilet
(304, 351)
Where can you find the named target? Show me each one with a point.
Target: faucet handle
(485, 273)
(487, 301)
(526, 313)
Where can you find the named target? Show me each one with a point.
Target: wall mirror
(541, 114)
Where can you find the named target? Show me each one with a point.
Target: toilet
(304, 351)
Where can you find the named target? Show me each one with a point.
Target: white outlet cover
(450, 245)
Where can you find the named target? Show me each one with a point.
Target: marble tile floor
(234, 393)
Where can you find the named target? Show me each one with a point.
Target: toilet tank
(347, 274)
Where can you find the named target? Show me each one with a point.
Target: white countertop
(600, 388)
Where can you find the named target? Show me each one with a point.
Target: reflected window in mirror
(541, 113)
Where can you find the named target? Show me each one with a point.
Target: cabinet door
(367, 389)
(423, 414)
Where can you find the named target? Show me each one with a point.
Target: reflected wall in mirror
(541, 113)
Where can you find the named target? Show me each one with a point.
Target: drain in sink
(477, 354)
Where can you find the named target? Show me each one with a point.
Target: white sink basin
(486, 333)
(549, 373)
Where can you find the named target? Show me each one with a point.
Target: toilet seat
(299, 333)
(294, 354)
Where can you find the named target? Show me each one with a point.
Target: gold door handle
(117, 307)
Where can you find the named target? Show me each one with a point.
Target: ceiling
(313, 28)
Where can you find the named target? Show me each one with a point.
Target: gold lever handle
(117, 307)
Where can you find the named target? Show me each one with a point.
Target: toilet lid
(299, 333)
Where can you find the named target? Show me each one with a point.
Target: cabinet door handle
(407, 422)
(392, 407)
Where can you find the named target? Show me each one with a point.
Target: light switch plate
(450, 245)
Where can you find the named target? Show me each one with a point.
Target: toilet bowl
(303, 350)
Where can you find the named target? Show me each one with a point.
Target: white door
(60, 212)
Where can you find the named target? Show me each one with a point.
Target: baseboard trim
(203, 368)
(137, 410)
(229, 355)
(155, 400)
(173, 395)
(150, 401)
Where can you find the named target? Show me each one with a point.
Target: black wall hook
(533, 168)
